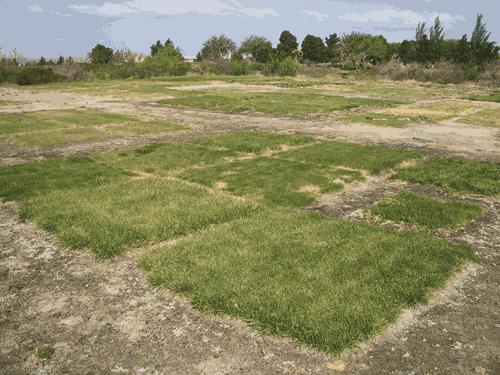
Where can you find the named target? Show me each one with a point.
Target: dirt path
(444, 138)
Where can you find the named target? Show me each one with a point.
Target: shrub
(34, 75)
(238, 68)
(288, 67)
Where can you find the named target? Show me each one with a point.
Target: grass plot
(52, 128)
(456, 175)
(425, 212)
(111, 217)
(284, 104)
(273, 181)
(373, 159)
(326, 283)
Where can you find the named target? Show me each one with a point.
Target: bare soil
(103, 317)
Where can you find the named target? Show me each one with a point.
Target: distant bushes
(29, 75)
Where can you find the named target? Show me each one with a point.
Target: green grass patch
(109, 218)
(45, 352)
(163, 158)
(326, 283)
(493, 97)
(487, 117)
(370, 158)
(51, 128)
(382, 119)
(252, 142)
(425, 212)
(293, 104)
(19, 182)
(456, 175)
(272, 181)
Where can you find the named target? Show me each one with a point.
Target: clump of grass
(272, 181)
(326, 283)
(370, 158)
(109, 218)
(456, 175)
(382, 119)
(252, 142)
(285, 104)
(425, 212)
(487, 117)
(45, 352)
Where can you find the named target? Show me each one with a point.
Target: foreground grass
(425, 212)
(326, 283)
(294, 104)
(52, 128)
(121, 214)
(456, 175)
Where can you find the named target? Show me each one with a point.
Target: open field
(203, 187)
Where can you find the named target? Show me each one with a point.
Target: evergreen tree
(42, 61)
(482, 50)
(287, 44)
(313, 49)
(332, 48)
(436, 37)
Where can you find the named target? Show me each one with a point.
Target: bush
(288, 67)
(34, 75)
(238, 68)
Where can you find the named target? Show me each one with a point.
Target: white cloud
(36, 8)
(320, 17)
(176, 7)
(407, 17)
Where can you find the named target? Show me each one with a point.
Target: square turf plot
(276, 103)
(326, 283)
(425, 212)
(109, 218)
(456, 175)
(373, 159)
(272, 181)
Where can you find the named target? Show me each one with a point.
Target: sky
(72, 27)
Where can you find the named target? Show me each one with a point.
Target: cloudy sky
(73, 27)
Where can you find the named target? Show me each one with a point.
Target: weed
(45, 352)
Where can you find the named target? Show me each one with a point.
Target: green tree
(42, 61)
(101, 55)
(462, 52)
(60, 60)
(313, 49)
(287, 44)
(482, 50)
(362, 48)
(168, 60)
(259, 47)
(332, 48)
(218, 47)
(423, 50)
(436, 37)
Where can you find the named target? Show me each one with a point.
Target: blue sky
(73, 27)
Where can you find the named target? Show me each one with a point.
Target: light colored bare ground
(446, 138)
